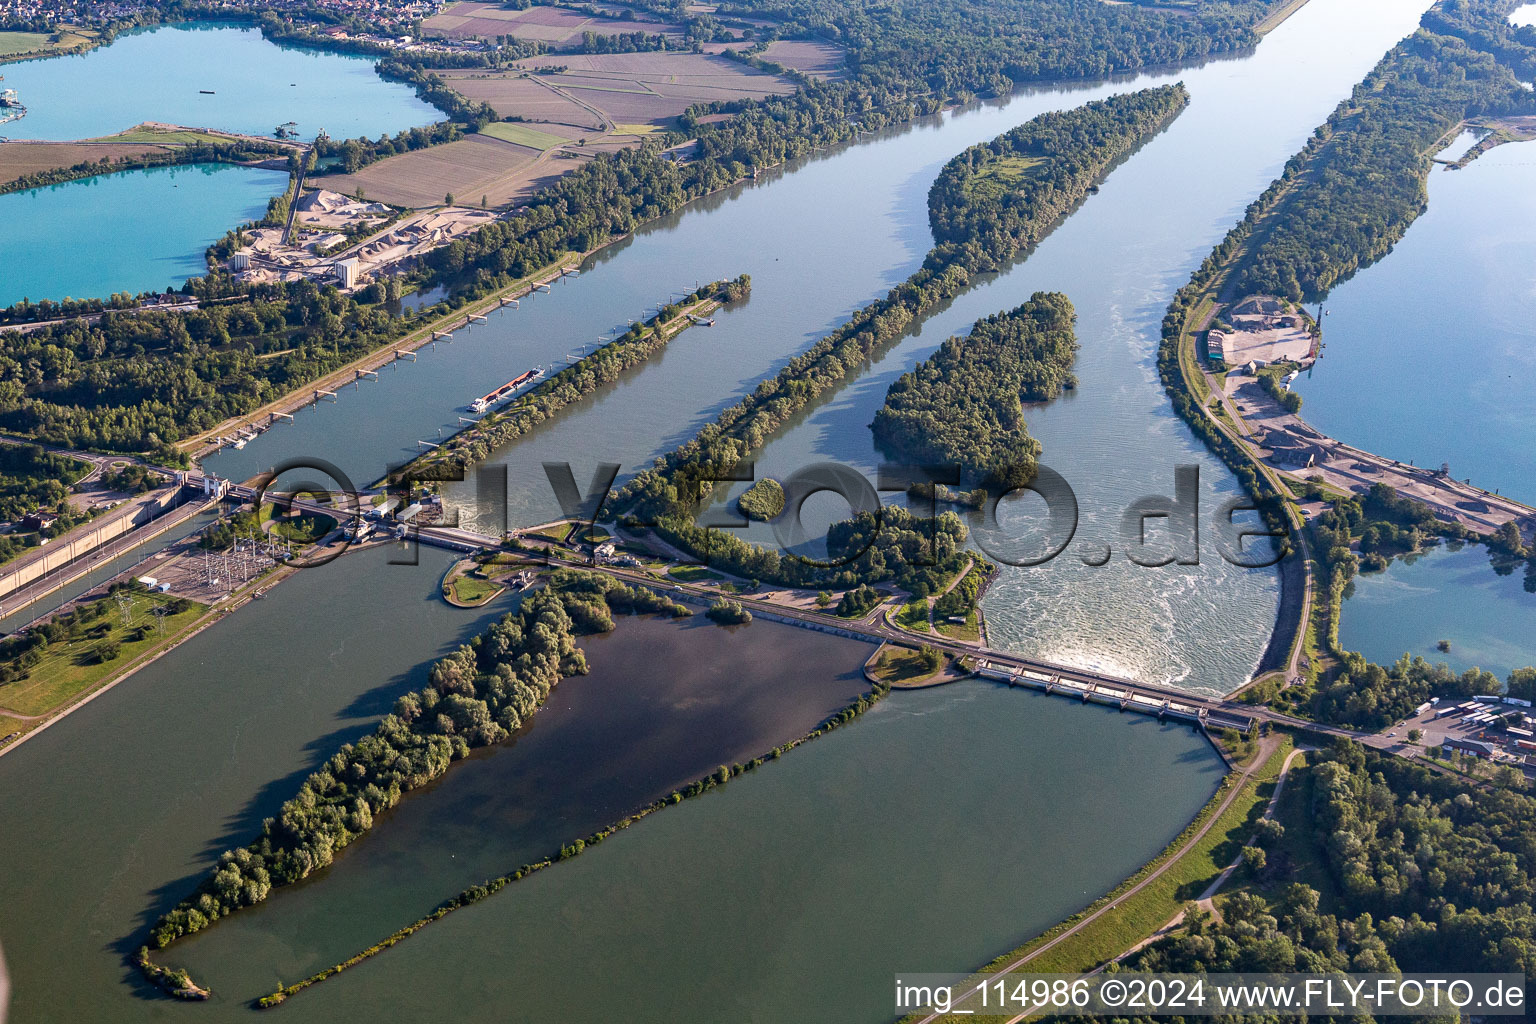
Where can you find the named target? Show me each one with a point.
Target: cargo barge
(504, 392)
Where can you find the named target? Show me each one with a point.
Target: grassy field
(693, 574)
(914, 615)
(470, 590)
(896, 665)
(146, 134)
(970, 630)
(522, 135)
(71, 39)
(71, 668)
(12, 43)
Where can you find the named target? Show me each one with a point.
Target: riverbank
(491, 887)
(27, 165)
(237, 599)
(1138, 906)
(642, 341)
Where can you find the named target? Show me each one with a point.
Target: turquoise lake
(1430, 354)
(1489, 619)
(159, 75)
(134, 231)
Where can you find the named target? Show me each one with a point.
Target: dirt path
(1206, 900)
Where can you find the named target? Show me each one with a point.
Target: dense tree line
(955, 48)
(917, 554)
(964, 405)
(1361, 180)
(32, 478)
(138, 381)
(642, 341)
(194, 153)
(480, 694)
(1426, 873)
(669, 487)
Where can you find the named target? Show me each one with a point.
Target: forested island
(480, 694)
(963, 406)
(642, 341)
(1340, 204)
(143, 386)
(1008, 222)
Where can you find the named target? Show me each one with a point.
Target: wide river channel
(944, 827)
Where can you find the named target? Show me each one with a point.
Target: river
(938, 830)
(1120, 258)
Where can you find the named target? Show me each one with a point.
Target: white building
(348, 272)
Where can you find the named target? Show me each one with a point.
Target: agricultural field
(475, 166)
(807, 56)
(71, 38)
(595, 91)
(22, 158)
(12, 43)
(556, 26)
(597, 103)
(522, 135)
(530, 97)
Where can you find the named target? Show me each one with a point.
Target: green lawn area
(12, 43)
(1001, 176)
(634, 129)
(971, 630)
(898, 665)
(144, 134)
(914, 615)
(522, 135)
(70, 668)
(554, 532)
(469, 590)
(1139, 916)
(693, 574)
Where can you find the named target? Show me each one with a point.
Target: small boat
(239, 443)
(206, 92)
